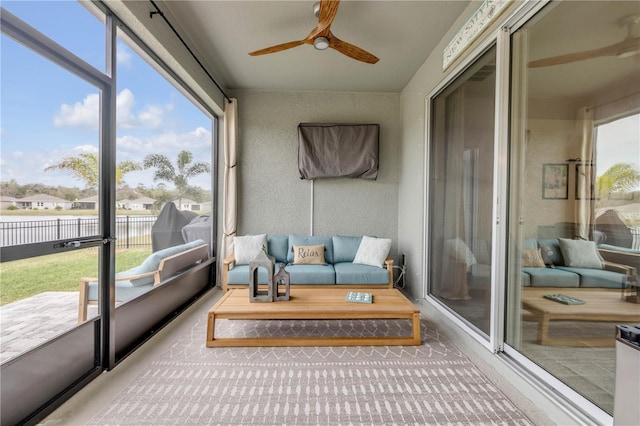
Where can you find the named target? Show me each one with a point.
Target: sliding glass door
(52, 154)
(461, 193)
(574, 191)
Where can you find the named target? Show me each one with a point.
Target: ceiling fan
(321, 37)
(627, 48)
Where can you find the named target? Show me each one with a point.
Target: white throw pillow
(373, 251)
(580, 253)
(247, 247)
(457, 249)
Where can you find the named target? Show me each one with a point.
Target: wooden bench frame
(168, 267)
(229, 262)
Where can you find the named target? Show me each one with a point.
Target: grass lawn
(24, 278)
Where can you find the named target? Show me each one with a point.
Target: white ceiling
(401, 33)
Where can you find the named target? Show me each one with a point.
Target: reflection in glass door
(461, 193)
(568, 115)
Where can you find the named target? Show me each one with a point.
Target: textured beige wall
(273, 198)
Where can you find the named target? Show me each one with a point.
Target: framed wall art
(555, 182)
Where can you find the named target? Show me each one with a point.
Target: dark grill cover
(198, 229)
(167, 230)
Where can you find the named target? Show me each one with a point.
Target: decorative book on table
(359, 297)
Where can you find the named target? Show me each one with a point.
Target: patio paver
(27, 323)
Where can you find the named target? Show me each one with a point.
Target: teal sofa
(557, 274)
(339, 269)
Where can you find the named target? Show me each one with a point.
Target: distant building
(89, 203)
(6, 202)
(43, 202)
(187, 204)
(142, 203)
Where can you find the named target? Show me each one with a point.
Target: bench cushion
(590, 278)
(350, 273)
(298, 274)
(240, 275)
(311, 274)
(124, 291)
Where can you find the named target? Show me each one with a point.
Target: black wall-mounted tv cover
(333, 150)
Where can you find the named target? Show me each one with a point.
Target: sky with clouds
(47, 114)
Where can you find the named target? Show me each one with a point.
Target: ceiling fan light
(321, 43)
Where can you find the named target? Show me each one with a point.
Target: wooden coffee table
(314, 304)
(601, 305)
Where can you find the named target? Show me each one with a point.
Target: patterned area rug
(188, 383)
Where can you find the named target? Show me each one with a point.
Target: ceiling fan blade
(328, 10)
(278, 48)
(351, 51)
(611, 50)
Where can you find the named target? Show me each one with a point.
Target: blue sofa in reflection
(557, 272)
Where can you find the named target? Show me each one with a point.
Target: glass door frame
(85, 344)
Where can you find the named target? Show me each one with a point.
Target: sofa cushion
(300, 240)
(525, 279)
(311, 274)
(547, 277)
(580, 253)
(590, 278)
(247, 247)
(352, 273)
(373, 251)
(277, 246)
(345, 248)
(152, 263)
(550, 250)
(530, 244)
(240, 275)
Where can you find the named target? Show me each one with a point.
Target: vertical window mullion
(107, 196)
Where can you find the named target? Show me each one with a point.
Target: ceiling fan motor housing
(321, 43)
